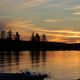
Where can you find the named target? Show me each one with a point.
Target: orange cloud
(77, 13)
(52, 21)
(26, 27)
(62, 35)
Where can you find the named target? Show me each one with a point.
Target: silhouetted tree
(9, 35)
(17, 37)
(37, 37)
(2, 34)
(32, 37)
(44, 38)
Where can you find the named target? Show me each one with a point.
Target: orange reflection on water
(69, 58)
(64, 63)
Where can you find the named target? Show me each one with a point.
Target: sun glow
(26, 27)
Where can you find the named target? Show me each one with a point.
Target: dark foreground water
(64, 65)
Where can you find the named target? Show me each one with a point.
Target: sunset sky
(58, 19)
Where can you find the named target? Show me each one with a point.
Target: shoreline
(18, 45)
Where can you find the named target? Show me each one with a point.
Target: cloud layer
(58, 19)
(26, 27)
(52, 21)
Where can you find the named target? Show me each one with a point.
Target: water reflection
(13, 61)
(17, 58)
(65, 65)
(37, 56)
(8, 59)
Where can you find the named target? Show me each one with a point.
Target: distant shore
(19, 45)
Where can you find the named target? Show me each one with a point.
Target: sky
(59, 20)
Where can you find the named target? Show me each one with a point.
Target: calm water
(64, 65)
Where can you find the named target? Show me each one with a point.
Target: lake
(64, 65)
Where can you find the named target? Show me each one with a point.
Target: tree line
(37, 38)
(8, 35)
(34, 37)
